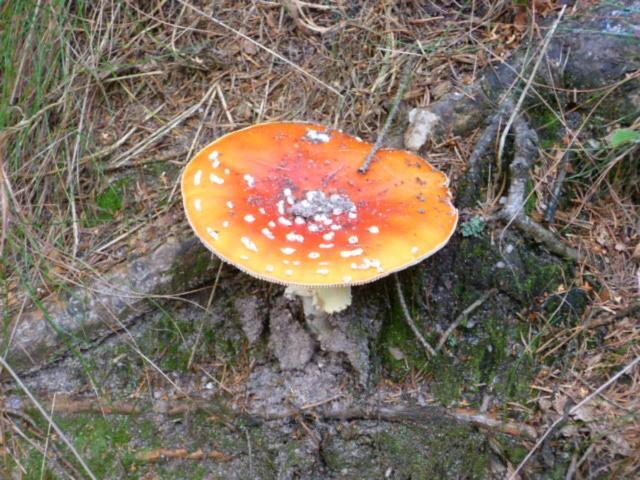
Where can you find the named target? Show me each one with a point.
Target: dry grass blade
(136, 150)
(4, 198)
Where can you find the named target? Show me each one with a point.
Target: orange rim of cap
(284, 202)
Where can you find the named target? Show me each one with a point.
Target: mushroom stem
(321, 300)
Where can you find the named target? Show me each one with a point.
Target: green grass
(40, 113)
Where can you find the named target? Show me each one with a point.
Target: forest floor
(103, 104)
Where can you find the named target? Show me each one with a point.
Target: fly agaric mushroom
(284, 202)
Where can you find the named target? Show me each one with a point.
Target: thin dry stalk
(407, 316)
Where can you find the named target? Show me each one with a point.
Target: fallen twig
(465, 313)
(427, 415)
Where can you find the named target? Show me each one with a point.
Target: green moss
(480, 358)
(531, 198)
(478, 257)
(540, 276)
(448, 379)
(440, 451)
(34, 468)
(398, 347)
(108, 203)
(526, 282)
(190, 470)
(101, 441)
(193, 263)
(168, 345)
(565, 309)
(297, 458)
(548, 126)
(485, 350)
(456, 452)
(513, 451)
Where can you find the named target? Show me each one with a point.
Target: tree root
(476, 163)
(422, 415)
(568, 41)
(513, 210)
(612, 56)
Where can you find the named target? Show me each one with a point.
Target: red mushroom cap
(285, 202)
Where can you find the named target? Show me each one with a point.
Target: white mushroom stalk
(316, 301)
